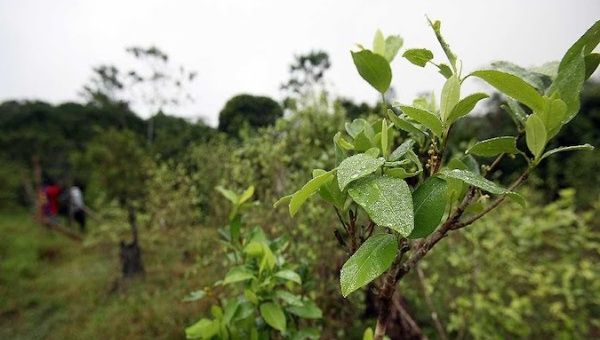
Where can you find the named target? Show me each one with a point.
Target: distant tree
(174, 135)
(355, 110)
(307, 73)
(105, 87)
(153, 85)
(121, 165)
(246, 110)
(156, 84)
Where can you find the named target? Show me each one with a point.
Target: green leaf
(401, 173)
(516, 112)
(513, 87)
(549, 153)
(387, 200)
(251, 296)
(373, 68)
(516, 197)
(474, 179)
(465, 106)
(230, 310)
(244, 310)
(450, 96)
(283, 200)
(403, 124)
(230, 195)
(429, 201)
(538, 80)
(195, 296)
(307, 190)
(368, 334)
(372, 259)
(418, 56)
(456, 188)
(494, 146)
(340, 141)
(273, 315)
(289, 298)
(238, 274)
(592, 61)
(412, 156)
(385, 146)
(379, 43)
(331, 193)
(357, 126)
(586, 43)
(401, 150)
(290, 275)
(553, 115)
(203, 329)
(445, 70)
(246, 195)
(362, 142)
(308, 310)
(254, 249)
(356, 167)
(428, 119)
(393, 43)
(569, 82)
(535, 135)
(268, 258)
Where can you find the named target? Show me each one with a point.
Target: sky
(48, 48)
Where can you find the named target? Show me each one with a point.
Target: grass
(54, 288)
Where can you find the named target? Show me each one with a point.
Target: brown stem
(352, 231)
(385, 298)
(386, 293)
(493, 166)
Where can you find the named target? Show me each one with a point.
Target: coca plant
(397, 191)
(266, 297)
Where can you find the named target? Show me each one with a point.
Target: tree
(122, 167)
(307, 74)
(248, 111)
(157, 85)
(153, 85)
(105, 88)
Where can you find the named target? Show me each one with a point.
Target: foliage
(172, 197)
(371, 182)
(272, 295)
(522, 273)
(118, 161)
(307, 73)
(246, 111)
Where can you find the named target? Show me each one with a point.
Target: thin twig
(434, 315)
(492, 206)
(337, 212)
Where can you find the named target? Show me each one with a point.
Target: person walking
(77, 206)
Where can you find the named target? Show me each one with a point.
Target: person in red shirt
(50, 208)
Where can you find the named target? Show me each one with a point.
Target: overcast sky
(48, 48)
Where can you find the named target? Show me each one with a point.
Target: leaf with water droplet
(356, 167)
(387, 200)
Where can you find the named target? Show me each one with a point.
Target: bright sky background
(48, 48)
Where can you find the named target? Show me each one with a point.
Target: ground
(54, 288)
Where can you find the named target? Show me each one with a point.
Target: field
(54, 288)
